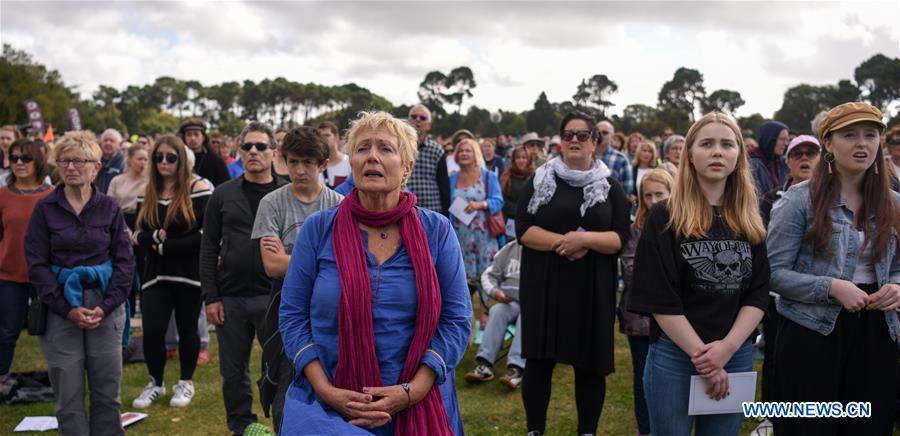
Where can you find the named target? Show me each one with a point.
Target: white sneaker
(150, 393)
(182, 394)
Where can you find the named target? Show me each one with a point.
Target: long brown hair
(691, 215)
(513, 171)
(878, 200)
(180, 204)
(657, 175)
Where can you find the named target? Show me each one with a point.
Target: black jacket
(211, 167)
(230, 262)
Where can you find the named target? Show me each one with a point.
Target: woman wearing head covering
(514, 179)
(375, 312)
(767, 160)
(572, 222)
(81, 265)
(833, 248)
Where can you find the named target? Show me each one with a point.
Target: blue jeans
(667, 384)
(13, 306)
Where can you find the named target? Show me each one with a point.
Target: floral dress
(478, 246)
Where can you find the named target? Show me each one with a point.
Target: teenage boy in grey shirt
(501, 280)
(280, 216)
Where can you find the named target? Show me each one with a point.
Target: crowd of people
(314, 241)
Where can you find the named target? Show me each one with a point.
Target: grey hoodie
(503, 274)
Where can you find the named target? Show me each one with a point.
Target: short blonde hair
(476, 149)
(82, 141)
(407, 138)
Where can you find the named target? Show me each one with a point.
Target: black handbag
(37, 317)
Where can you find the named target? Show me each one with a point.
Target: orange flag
(48, 137)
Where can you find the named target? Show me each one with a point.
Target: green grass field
(487, 409)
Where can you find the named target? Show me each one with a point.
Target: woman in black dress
(572, 222)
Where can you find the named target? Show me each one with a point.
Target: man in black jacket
(206, 164)
(234, 282)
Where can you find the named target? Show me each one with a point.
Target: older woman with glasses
(375, 312)
(81, 265)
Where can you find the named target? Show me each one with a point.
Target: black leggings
(157, 303)
(590, 391)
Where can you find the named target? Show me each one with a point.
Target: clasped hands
(710, 360)
(371, 408)
(571, 245)
(854, 299)
(87, 319)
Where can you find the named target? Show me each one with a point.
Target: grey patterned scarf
(596, 187)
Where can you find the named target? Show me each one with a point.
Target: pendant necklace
(383, 234)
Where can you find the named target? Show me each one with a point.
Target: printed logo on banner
(74, 118)
(35, 117)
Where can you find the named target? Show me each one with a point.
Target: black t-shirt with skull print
(706, 279)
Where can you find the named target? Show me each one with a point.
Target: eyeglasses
(260, 146)
(797, 154)
(24, 158)
(168, 157)
(414, 117)
(581, 135)
(79, 163)
(895, 141)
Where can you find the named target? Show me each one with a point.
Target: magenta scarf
(357, 364)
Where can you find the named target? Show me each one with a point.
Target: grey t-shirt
(281, 214)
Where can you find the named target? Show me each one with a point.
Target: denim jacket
(801, 280)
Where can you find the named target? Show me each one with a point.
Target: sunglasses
(168, 157)
(582, 135)
(24, 158)
(797, 154)
(418, 117)
(895, 141)
(260, 146)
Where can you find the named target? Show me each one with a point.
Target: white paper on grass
(741, 388)
(47, 423)
(458, 209)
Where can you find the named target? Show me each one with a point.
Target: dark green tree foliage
(723, 100)
(431, 93)
(879, 79)
(751, 122)
(803, 102)
(683, 94)
(593, 94)
(543, 118)
(23, 79)
(459, 85)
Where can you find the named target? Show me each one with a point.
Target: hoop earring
(829, 159)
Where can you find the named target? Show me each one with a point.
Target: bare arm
(539, 239)
(275, 259)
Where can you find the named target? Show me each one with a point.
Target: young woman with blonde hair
(658, 188)
(702, 272)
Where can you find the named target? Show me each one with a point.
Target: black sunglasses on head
(24, 158)
(168, 157)
(260, 146)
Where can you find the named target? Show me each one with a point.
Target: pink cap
(802, 139)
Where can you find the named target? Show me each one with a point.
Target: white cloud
(516, 49)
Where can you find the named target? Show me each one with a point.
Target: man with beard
(207, 163)
(235, 285)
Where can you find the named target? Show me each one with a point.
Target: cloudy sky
(516, 49)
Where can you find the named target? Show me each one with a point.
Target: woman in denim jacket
(832, 248)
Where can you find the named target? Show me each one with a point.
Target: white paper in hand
(458, 209)
(741, 388)
(511, 227)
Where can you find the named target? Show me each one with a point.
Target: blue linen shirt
(802, 280)
(620, 167)
(309, 320)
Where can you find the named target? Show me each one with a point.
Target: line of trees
(159, 106)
